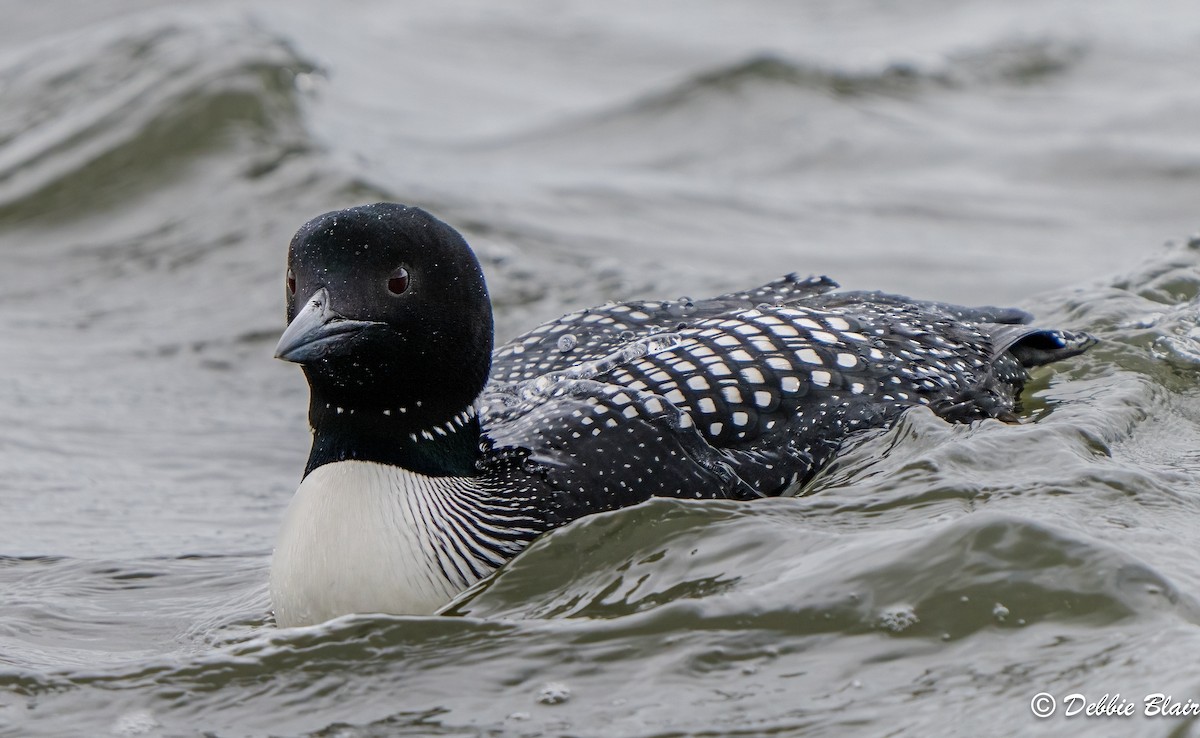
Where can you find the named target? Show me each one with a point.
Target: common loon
(434, 460)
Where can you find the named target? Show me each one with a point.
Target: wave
(766, 81)
(1019, 62)
(99, 116)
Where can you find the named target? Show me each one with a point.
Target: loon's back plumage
(740, 396)
(745, 395)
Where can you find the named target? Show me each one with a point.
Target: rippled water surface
(155, 159)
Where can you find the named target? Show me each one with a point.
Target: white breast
(358, 537)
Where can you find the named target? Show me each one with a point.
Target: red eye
(291, 282)
(398, 282)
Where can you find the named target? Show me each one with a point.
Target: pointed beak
(317, 331)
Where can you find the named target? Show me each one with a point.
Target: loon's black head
(390, 318)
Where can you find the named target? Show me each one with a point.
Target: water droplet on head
(626, 335)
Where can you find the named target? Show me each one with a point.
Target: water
(155, 159)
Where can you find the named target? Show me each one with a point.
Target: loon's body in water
(434, 460)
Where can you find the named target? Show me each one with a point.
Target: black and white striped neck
(418, 438)
(368, 537)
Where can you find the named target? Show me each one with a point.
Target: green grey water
(155, 159)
